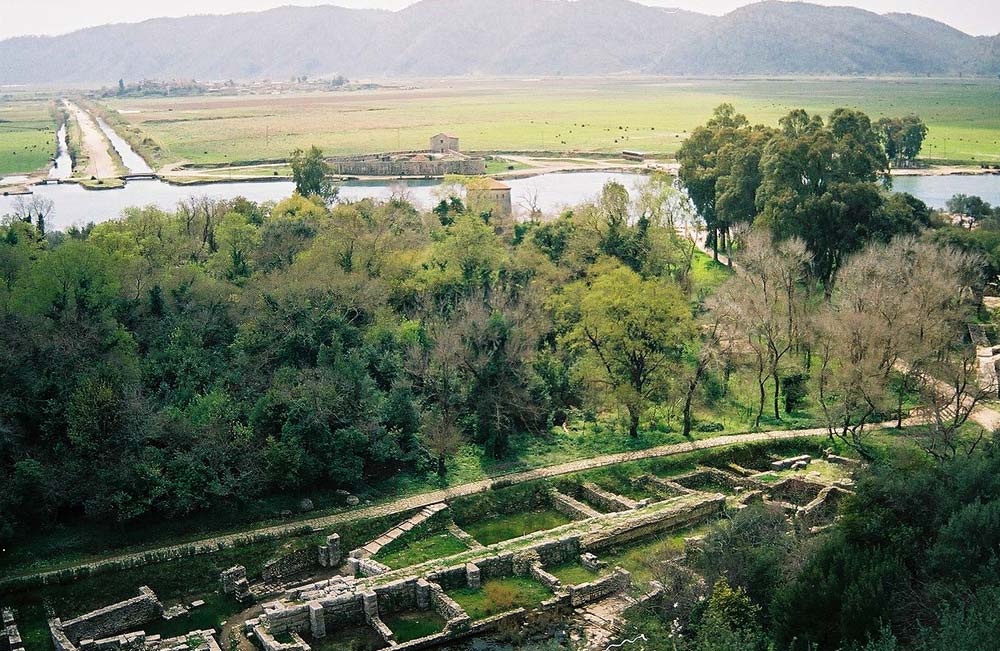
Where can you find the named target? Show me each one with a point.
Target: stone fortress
(308, 594)
(443, 156)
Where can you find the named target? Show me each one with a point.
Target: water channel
(74, 205)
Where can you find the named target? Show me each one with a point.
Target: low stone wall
(653, 523)
(795, 491)
(585, 593)
(539, 574)
(660, 485)
(606, 500)
(702, 476)
(444, 605)
(397, 596)
(368, 567)
(452, 577)
(823, 509)
(498, 566)
(10, 637)
(571, 507)
(379, 167)
(113, 619)
(289, 564)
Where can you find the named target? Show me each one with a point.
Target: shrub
(499, 597)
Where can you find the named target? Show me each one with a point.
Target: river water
(133, 162)
(75, 206)
(548, 192)
(63, 167)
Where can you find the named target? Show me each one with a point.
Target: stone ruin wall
(108, 621)
(290, 564)
(644, 526)
(10, 636)
(378, 167)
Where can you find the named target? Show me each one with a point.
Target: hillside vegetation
(460, 37)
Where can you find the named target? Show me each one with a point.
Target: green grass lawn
(641, 560)
(707, 274)
(572, 573)
(497, 166)
(557, 115)
(414, 625)
(217, 609)
(493, 530)
(500, 595)
(422, 548)
(27, 135)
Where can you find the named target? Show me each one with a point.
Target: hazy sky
(20, 17)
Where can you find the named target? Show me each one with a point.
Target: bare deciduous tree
(762, 308)
(894, 308)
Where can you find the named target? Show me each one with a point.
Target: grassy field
(27, 135)
(500, 595)
(422, 548)
(493, 530)
(562, 115)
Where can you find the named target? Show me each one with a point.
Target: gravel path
(101, 164)
(208, 545)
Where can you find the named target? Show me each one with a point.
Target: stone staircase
(375, 546)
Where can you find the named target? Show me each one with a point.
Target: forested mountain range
(503, 37)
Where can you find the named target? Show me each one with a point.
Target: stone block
(317, 620)
(473, 578)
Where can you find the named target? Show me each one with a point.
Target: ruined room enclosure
(512, 558)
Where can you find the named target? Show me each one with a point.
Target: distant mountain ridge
(503, 37)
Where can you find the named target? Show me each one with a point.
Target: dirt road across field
(101, 164)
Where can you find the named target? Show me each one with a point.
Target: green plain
(555, 115)
(27, 135)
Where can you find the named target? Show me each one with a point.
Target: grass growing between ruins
(423, 548)
(500, 596)
(217, 609)
(641, 559)
(504, 527)
(572, 573)
(415, 624)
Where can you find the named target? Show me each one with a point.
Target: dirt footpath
(96, 145)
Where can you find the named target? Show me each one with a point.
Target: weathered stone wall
(617, 581)
(652, 524)
(234, 582)
(329, 555)
(795, 491)
(444, 605)
(114, 619)
(606, 500)
(571, 507)
(495, 566)
(557, 552)
(397, 596)
(451, 577)
(289, 564)
(10, 637)
(379, 167)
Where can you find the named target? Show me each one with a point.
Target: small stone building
(492, 194)
(443, 143)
